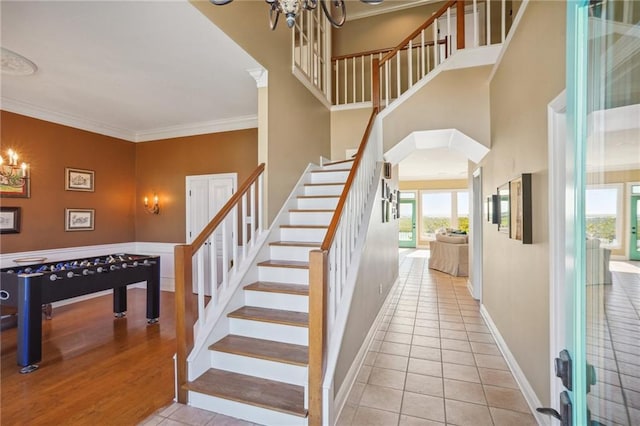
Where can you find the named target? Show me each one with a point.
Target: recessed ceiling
(137, 70)
(433, 164)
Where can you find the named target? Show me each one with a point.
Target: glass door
(407, 228)
(634, 242)
(602, 296)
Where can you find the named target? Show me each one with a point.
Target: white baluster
(398, 74)
(225, 255)
(476, 27)
(386, 85)
(200, 281)
(410, 63)
(488, 12)
(422, 46)
(435, 44)
(245, 231)
(346, 86)
(213, 262)
(449, 43)
(234, 237)
(362, 77)
(260, 205)
(371, 68)
(503, 20)
(337, 64)
(353, 72)
(252, 202)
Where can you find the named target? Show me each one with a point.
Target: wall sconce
(12, 174)
(155, 209)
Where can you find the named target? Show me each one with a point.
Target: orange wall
(161, 167)
(49, 148)
(124, 173)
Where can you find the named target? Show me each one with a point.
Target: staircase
(259, 370)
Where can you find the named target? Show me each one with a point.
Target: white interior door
(206, 195)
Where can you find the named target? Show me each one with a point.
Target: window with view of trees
(443, 209)
(603, 214)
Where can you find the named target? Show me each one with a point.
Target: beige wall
(457, 99)
(162, 166)
(516, 276)
(347, 129)
(376, 276)
(299, 125)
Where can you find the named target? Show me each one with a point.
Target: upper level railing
(456, 25)
(211, 262)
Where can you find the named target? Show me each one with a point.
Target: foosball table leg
(47, 310)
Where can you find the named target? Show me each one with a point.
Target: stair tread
(305, 226)
(296, 243)
(330, 171)
(324, 184)
(271, 287)
(296, 319)
(264, 393)
(318, 196)
(263, 349)
(311, 210)
(338, 162)
(285, 264)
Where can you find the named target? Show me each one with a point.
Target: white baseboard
(529, 395)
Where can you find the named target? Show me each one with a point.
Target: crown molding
(261, 76)
(383, 8)
(34, 111)
(225, 125)
(216, 126)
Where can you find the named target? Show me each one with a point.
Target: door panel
(634, 241)
(407, 227)
(603, 316)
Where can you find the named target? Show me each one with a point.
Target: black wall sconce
(155, 208)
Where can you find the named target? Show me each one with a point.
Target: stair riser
(300, 254)
(269, 331)
(318, 203)
(303, 235)
(329, 177)
(281, 372)
(323, 190)
(244, 411)
(269, 300)
(310, 218)
(338, 166)
(283, 275)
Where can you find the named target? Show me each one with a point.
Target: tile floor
(433, 362)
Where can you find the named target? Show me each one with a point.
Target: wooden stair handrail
(414, 34)
(385, 50)
(183, 258)
(333, 226)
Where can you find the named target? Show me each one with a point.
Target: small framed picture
(9, 220)
(79, 180)
(79, 219)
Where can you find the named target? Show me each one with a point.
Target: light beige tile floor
(433, 362)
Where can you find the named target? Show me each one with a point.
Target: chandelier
(334, 10)
(12, 174)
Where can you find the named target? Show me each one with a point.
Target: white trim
(476, 217)
(215, 126)
(505, 45)
(377, 10)
(627, 214)
(350, 378)
(356, 105)
(525, 387)
(191, 129)
(34, 111)
(261, 76)
(556, 119)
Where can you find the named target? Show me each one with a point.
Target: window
(441, 210)
(603, 211)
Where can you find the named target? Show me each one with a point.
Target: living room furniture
(450, 254)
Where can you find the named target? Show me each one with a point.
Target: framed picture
(79, 180)
(9, 220)
(504, 202)
(79, 219)
(17, 186)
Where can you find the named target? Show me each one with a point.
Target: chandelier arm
(220, 2)
(310, 4)
(339, 5)
(274, 14)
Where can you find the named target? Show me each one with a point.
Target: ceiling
(148, 70)
(136, 70)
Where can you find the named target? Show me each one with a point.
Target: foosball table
(30, 287)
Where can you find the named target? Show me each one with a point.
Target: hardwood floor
(95, 369)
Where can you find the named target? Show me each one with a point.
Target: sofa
(449, 253)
